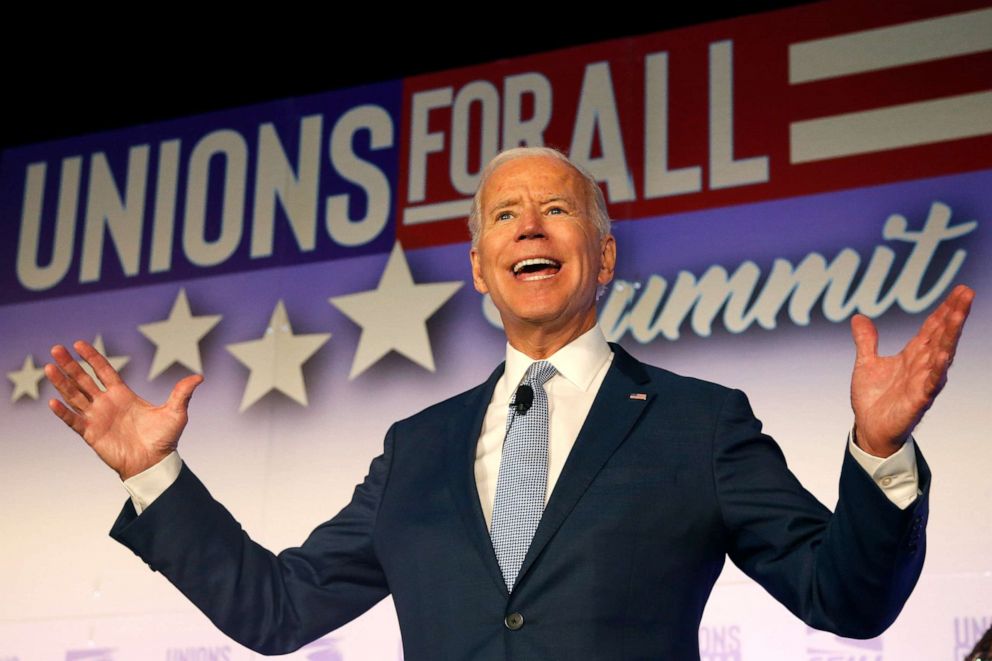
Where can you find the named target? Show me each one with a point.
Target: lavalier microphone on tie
(523, 400)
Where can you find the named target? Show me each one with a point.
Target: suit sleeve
(271, 604)
(849, 572)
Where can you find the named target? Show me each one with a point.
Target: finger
(959, 307)
(958, 302)
(936, 324)
(73, 420)
(182, 392)
(68, 389)
(948, 340)
(936, 378)
(83, 382)
(962, 294)
(104, 371)
(942, 327)
(865, 337)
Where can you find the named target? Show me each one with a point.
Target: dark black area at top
(91, 74)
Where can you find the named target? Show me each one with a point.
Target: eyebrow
(514, 201)
(557, 198)
(504, 203)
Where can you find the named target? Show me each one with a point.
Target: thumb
(865, 337)
(181, 393)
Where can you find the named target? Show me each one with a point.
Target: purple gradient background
(282, 468)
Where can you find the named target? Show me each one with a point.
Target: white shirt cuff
(152, 482)
(896, 476)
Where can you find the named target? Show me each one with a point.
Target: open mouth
(536, 268)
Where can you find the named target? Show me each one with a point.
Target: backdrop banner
(769, 177)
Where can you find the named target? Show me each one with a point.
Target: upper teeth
(533, 262)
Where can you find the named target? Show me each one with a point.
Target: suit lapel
(464, 430)
(612, 416)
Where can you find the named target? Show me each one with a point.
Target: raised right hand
(128, 433)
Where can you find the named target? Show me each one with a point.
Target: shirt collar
(578, 361)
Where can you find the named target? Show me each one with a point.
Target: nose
(531, 225)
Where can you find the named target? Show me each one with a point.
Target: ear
(608, 262)
(477, 279)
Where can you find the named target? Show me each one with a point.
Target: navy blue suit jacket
(655, 493)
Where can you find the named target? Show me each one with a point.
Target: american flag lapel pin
(640, 396)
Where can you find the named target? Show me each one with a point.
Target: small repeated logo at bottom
(720, 643)
(822, 646)
(90, 654)
(325, 649)
(199, 653)
(967, 631)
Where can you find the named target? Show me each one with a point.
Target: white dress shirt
(582, 366)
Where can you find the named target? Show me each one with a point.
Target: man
(579, 506)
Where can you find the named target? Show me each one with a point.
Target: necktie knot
(539, 373)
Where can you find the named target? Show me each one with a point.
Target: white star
(117, 362)
(177, 339)
(26, 379)
(394, 316)
(276, 359)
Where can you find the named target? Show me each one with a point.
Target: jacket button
(513, 621)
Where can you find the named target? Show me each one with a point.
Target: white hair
(595, 203)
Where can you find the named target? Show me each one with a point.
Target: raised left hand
(890, 394)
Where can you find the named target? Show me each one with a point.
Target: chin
(551, 317)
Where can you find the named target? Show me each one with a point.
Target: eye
(555, 211)
(503, 215)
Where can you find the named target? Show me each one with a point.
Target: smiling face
(539, 255)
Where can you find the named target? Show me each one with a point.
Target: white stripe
(431, 213)
(920, 123)
(881, 48)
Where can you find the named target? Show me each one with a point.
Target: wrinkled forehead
(534, 177)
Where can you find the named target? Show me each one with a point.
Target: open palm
(890, 394)
(128, 433)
